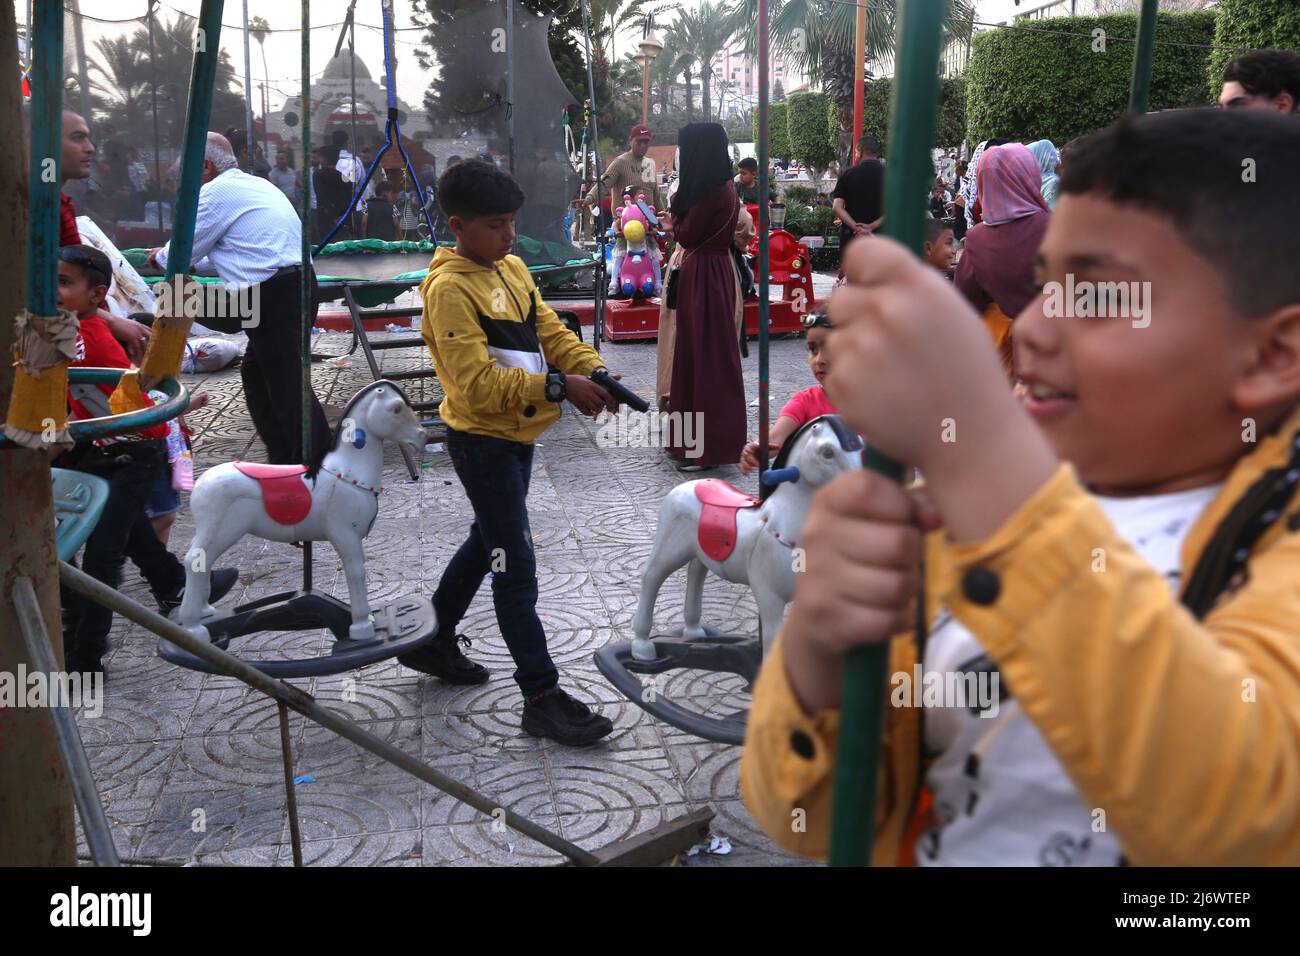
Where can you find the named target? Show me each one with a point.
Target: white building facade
(735, 78)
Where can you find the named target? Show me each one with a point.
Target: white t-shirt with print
(1001, 798)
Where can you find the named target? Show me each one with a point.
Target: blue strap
(776, 476)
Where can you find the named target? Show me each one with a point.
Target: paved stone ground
(189, 765)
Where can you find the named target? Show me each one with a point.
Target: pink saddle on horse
(719, 503)
(285, 496)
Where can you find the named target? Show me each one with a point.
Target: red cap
(641, 131)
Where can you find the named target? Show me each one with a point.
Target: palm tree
(611, 18)
(818, 37)
(677, 48)
(663, 72)
(123, 69)
(119, 64)
(706, 32)
(258, 28)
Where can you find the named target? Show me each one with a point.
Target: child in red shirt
(130, 464)
(803, 406)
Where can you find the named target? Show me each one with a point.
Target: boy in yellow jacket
(505, 362)
(1119, 548)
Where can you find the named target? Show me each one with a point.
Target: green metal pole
(907, 179)
(1140, 92)
(45, 158)
(207, 44)
(305, 271)
(764, 258)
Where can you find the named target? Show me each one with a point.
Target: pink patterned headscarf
(1009, 184)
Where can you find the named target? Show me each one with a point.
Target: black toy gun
(619, 391)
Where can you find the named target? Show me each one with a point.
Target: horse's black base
(714, 652)
(401, 625)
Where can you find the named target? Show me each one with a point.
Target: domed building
(331, 99)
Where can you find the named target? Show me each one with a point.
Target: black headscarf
(704, 164)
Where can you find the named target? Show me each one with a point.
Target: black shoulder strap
(1223, 563)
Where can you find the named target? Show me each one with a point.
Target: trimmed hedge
(950, 119)
(798, 194)
(812, 140)
(803, 220)
(778, 130)
(1023, 84)
(1255, 25)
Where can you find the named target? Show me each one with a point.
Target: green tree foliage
(818, 36)
(1252, 24)
(1025, 84)
(812, 141)
(778, 130)
(705, 31)
(120, 77)
(797, 194)
(950, 121)
(454, 98)
(950, 118)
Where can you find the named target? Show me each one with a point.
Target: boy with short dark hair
(506, 362)
(747, 182)
(1263, 79)
(939, 245)
(1119, 546)
(130, 463)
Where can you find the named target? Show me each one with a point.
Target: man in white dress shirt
(353, 169)
(247, 232)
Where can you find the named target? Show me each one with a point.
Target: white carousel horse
(284, 503)
(714, 527)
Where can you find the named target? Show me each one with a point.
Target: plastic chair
(79, 500)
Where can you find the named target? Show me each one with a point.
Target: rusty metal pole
(36, 821)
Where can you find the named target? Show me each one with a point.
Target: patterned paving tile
(189, 765)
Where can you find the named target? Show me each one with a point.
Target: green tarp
(370, 291)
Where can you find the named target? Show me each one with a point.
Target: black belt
(284, 271)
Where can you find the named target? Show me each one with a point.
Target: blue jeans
(495, 474)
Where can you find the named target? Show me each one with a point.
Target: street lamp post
(650, 49)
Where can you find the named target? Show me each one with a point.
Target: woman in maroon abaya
(706, 379)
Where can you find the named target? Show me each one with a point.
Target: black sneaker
(223, 579)
(442, 657)
(88, 664)
(556, 715)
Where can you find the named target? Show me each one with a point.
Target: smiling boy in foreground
(1119, 547)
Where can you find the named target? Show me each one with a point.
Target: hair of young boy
(98, 274)
(473, 188)
(1240, 217)
(1267, 73)
(749, 163)
(934, 228)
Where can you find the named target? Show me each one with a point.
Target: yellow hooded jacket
(1183, 727)
(492, 337)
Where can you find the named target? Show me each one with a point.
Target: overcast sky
(283, 50)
